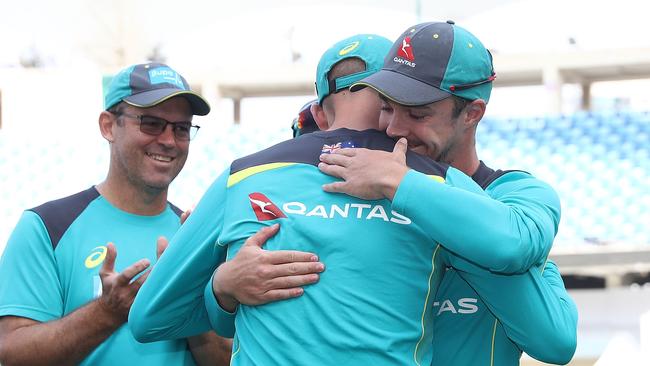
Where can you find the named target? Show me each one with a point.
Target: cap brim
(154, 97)
(401, 89)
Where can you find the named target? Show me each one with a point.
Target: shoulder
(520, 181)
(306, 149)
(523, 189)
(59, 214)
(426, 165)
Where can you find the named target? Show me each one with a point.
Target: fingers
(127, 275)
(296, 269)
(289, 282)
(336, 159)
(282, 294)
(264, 234)
(109, 262)
(161, 244)
(336, 187)
(186, 214)
(333, 170)
(290, 256)
(348, 151)
(400, 147)
(139, 281)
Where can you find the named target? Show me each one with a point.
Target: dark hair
(459, 105)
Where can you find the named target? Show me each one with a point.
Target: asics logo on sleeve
(465, 305)
(263, 207)
(96, 257)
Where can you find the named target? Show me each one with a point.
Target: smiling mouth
(162, 158)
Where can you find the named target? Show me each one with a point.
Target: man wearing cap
(368, 307)
(550, 337)
(64, 292)
(304, 121)
(435, 84)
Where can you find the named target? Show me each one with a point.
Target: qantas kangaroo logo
(406, 51)
(263, 207)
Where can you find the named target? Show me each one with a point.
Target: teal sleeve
(29, 281)
(534, 308)
(223, 322)
(170, 303)
(508, 232)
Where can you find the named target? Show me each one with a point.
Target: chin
(159, 184)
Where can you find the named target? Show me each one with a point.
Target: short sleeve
(29, 281)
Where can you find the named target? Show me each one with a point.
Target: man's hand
(186, 214)
(366, 174)
(256, 276)
(119, 289)
(161, 244)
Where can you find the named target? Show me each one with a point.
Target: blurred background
(570, 105)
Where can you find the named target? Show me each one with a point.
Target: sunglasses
(155, 126)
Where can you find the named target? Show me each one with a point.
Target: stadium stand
(598, 162)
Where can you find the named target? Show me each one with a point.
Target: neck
(356, 111)
(467, 164)
(135, 200)
(352, 124)
(466, 159)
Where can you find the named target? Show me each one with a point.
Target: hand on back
(256, 276)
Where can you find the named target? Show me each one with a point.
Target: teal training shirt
(372, 305)
(535, 312)
(509, 234)
(50, 267)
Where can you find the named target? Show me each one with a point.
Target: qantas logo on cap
(263, 207)
(406, 51)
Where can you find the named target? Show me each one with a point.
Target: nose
(167, 138)
(396, 128)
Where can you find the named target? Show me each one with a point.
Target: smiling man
(64, 294)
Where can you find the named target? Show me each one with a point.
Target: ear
(106, 122)
(319, 116)
(474, 112)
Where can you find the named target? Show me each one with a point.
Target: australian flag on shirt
(328, 149)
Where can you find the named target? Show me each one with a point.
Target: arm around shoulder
(512, 224)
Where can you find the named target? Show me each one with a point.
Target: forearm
(65, 341)
(502, 237)
(170, 303)
(210, 349)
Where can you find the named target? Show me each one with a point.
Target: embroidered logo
(96, 257)
(263, 207)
